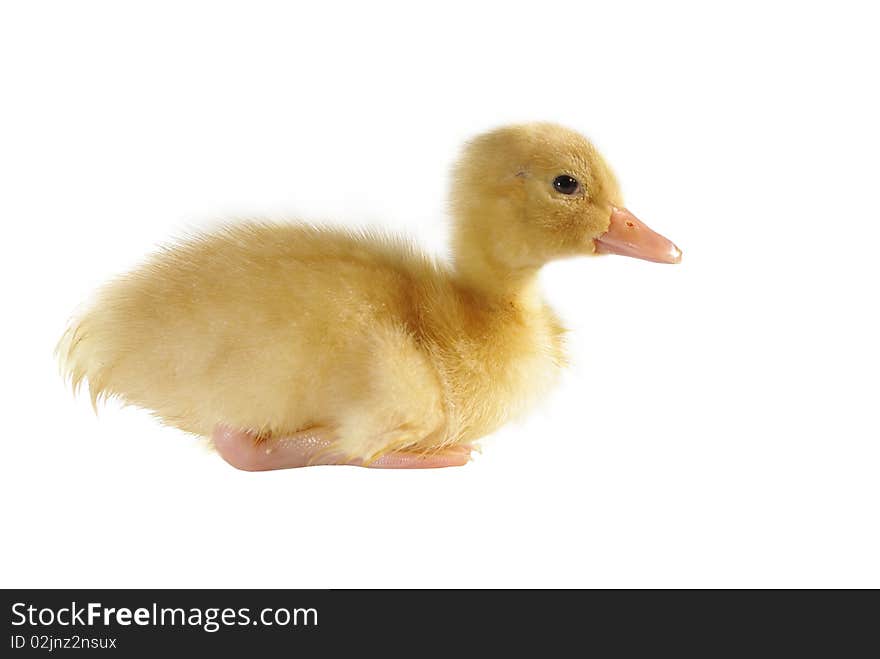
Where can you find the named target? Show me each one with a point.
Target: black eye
(565, 184)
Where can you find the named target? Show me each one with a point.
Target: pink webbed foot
(314, 447)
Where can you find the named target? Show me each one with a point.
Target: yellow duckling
(293, 345)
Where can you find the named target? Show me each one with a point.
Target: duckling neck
(478, 272)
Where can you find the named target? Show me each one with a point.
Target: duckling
(291, 344)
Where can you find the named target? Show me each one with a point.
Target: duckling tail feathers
(77, 362)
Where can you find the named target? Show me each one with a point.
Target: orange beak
(629, 236)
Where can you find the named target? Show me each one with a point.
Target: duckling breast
(494, 365)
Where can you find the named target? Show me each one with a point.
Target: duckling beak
(629, 236)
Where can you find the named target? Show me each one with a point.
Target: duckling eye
(565, 184)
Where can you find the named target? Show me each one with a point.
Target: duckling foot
(313, 447)
(453, 456)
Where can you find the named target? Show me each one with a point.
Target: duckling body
(277, 329)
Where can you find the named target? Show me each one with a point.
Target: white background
(725, 433)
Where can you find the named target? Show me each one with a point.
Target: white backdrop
(726, 434)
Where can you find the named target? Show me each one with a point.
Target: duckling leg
(314, 447)
(380, 405)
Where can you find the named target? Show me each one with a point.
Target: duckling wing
(264, 327)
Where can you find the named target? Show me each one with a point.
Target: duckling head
(527, 194)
